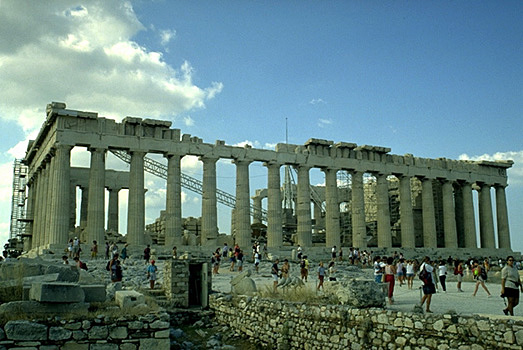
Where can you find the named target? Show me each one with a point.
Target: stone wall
(277, 324)
(148, 332)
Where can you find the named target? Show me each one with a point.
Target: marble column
(257, 214)
(61, 194)
(112, 210)
(429, 218)
(274, 208)
(449, 215)
(359, 228)
(469, 221)
(44, 217)
(243, 205)
(31, 194)
(382, 203)
(486, 220)
(72, 209)
(332, 212)
(39, 210)
(36, 209)
(136, 206)
(96, 203)
(83, 206)
(209, 211)
(502, 218)
(173, 205)
(304, 229)
(49, 202)
(406, 216)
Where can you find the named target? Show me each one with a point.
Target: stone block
(106, 346)
(98, 332)
(129, 298)
(118, 333)
(66, 273)
(57, 292)
(72, 345)
(59, 333)
(37, 309)
(94, 293)
(25, 330)
(154, 344)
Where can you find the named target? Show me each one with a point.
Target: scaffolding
(18, 208)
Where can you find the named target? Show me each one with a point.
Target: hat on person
(152, 261)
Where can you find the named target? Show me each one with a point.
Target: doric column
(31, 194)
(209, 210)
(83, 206)
(49, 202)
(257, 212)
(112, 210)
(61, 180)
(73, 206)
(304, 229)
(36, 209)
(274, 212)
(382, 203)
(469, 221)
(173, 205)
(429, 219)
(502, 218)
(39, 207)
(359, 228)
(449, 215)
(243, 205)
(406, 216)
(458, 205)
(486, 220)
(332, 212)
(96, 203)
(136, 206)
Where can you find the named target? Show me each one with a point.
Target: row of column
(52, 220)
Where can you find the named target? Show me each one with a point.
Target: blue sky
(435, 79)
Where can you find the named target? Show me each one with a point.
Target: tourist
(321, 276)
(442, 274)
(70, 248)
(379, 267)
(510, 286)
(340, 254)
(123, 254)
(225, 250)
(94, 250)
(239, 260)
(300, 252)
(285, 269)
(151, 274)
(429, 288)
(253, 250)
(80, 264)
(409, 267)
(332, 271)
(115, 268)
(399, 271)
(107, 250)
(114, 249)
(333, 253)
(215, 260)
(458, 271)
(232, 259)
(256, 261)
(275, 274)
(390, 272)
(304, 268)
(175, 252)
(76, 247)
(265, 251)
(147, 253)
(65, 260)
(480, 275)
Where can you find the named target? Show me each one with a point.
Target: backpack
(424, 275)
(302, 264)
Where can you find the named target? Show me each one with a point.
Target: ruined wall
(125, 333)
(277, 324)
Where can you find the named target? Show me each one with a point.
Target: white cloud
(323, 122)
(191, 163)
(270, 146)
(188, 121)
(316, 101)
(166, 36)
(515, 173)
(85, 56)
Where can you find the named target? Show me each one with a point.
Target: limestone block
(102, 346)
(94, 293)
(127, 346)
(57, 292)
(66, 273)
(154, 344)
(59, 333)
(129, 298)
(245, 286)
(159, 325)
(118, 333)
(72, 345)
(25, 330)
(37, 309)
(98, 332)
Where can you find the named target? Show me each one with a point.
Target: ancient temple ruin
(438, 213)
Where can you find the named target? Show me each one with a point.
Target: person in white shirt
(428, 285)
(442, 274)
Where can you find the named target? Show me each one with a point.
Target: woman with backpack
(425, 274)
(480, 275)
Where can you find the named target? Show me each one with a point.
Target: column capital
(272, 164)
(97, 149)
(329, 168)
(173, 154)
(241, 161)
(208, 159)
(63, 146)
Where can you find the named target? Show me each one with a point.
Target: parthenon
(51, 186)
